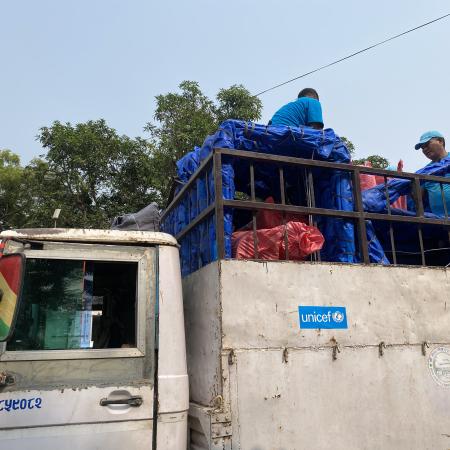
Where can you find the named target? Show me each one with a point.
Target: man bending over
(306, 110)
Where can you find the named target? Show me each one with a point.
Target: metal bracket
(285, 356)
(231, 357)
(381, 347)
(425, 345)
(336, 350)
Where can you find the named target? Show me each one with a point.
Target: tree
(349, 144)
(12, 200)
(377, 161)
(91, 173)
(183, 120)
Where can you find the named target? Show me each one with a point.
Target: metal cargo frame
(358, 216)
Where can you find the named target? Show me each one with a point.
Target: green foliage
(236, 102)
(91, 173)
(183, 120)
(12, 201)
(377, 161)
(94, 174)
(349, 144)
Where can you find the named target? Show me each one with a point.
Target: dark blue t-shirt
(302, 111)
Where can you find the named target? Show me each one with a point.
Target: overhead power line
(353, 54)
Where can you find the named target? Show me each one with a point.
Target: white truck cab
(93, 347)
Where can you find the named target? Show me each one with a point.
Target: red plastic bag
(368, 181)
(268, 244)
(302, 241)
(269, 219)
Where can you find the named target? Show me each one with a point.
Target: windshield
(76, 304)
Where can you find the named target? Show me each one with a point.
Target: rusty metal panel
(88, 236)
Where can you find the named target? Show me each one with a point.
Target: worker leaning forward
(432, 144)
(306, 110)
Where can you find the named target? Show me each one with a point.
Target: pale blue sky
(89, 59)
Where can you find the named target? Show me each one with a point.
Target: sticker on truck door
(439, 365)
(323, 317)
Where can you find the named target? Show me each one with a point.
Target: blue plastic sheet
(375, 199)
(333, 188)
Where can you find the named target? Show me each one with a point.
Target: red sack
(270, 219)
(402, 201)
(268, 244)
(302, 241)
(368, 181)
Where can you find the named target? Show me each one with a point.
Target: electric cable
(353, 54)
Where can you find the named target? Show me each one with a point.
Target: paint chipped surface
(88, 235)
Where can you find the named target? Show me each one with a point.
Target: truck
(107, 345)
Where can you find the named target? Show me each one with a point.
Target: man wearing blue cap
(432, 144)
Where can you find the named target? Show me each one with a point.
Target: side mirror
(12, 269)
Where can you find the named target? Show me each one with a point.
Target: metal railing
(213, 165)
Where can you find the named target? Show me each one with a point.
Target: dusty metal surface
(202, 313)
(360, 401)
(369, 386)
(397, 305)
(76, 374)
(88, 235)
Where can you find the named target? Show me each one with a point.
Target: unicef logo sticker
(439, 365)
(338, 316)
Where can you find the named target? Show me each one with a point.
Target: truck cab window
(74, 304)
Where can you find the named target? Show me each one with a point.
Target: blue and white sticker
(20, 403)
(323, 317)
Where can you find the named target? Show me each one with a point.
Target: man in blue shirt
(432, 144)
(305, 111)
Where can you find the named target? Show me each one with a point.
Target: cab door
(78, 370)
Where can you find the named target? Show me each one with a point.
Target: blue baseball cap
(426, 137)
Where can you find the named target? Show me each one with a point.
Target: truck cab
(93, 346)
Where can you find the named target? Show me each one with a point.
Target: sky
(75, 61)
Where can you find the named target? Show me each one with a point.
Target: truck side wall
(201, 294)
(365, 387)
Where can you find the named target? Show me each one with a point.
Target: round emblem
(338, 317)
(439, 364)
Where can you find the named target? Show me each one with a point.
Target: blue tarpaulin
(332, 188)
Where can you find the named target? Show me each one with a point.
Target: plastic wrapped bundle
(302, 240)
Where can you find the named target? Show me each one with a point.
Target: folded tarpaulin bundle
(188, 164)
(147, 219)
(301, 142)
(369, 181)
(302, 240)
(375, 200)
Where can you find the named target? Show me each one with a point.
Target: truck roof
(89, 235)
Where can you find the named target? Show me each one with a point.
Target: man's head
(308, 92)
(432, 144)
